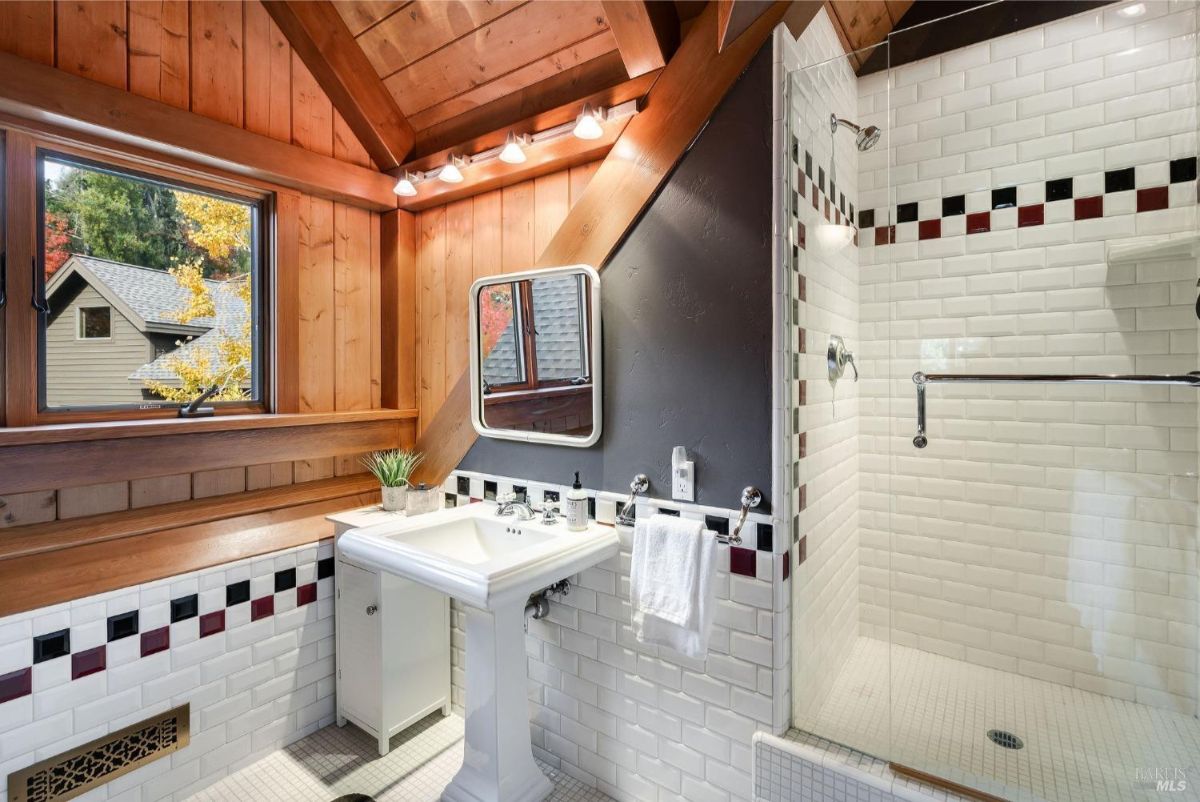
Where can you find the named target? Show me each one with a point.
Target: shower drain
(1005, 739)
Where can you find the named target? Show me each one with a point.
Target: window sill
(116, 430)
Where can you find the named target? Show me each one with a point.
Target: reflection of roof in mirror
(558, 325)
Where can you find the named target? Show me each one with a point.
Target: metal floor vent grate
(83, 768)
(1005, 739)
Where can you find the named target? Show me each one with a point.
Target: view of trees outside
(192, 236)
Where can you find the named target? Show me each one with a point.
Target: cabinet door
(416, 650)
(358, 625)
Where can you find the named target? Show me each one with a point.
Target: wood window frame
(23, 151)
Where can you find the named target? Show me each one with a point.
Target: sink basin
(491, 564)
(476, 557)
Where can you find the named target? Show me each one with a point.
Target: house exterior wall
(90, 372)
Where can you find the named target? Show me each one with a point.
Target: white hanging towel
(671, 583)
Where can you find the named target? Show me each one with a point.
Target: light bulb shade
(512, 152)
(450, 173)
(587, 126)
(405, 186)
(832, 238)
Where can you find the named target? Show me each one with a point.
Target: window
(95, 322)
(150, 290)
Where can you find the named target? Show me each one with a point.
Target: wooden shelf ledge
(44, 564)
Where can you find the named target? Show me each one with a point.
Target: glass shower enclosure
(1005, 597)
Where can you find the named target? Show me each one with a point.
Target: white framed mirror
(536, 356)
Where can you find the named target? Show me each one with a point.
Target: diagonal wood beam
(735, 16)
(320, 37)
(647, 33)
(680, 102)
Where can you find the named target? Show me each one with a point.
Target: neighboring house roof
(557, 322)
(149, 298)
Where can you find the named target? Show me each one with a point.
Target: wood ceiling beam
(735, 16)
(647, 33)
(320, 37)
(46, 95)
(680, 102)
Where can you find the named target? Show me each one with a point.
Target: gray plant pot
(394, 498)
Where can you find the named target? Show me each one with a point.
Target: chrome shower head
(866, 137)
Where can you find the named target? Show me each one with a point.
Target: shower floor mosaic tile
(337, 761)
(1078, 746)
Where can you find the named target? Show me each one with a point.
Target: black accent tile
(1060, 189)
(832, 190)
(324, 568)
(906, 213)
(866, 218)
(184, 608)
(795, 420)
(125, 624)
(668, 511)
(795, 150)
(464, 486)
(717, 524)
(489, 490)
(1118, 180)
(808, 164)
(821, 178)
(1005, 198)
(521, 492)
(54, 644)
(955, 204)
(766, 537)
(285, 579)
(451, 501)
(591, 507)
(237, 593)
(795, 529)
(852, 211)
(842, 202)
(1183, 170)
(621, 510)
(550, 495)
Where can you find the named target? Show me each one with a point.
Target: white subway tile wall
(639, 722)
(1048, 531)
(249, 645)
(823, 463)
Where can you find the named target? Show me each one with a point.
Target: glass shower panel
(836, 167)
(1042, 597)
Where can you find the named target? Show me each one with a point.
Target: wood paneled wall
(230, 62)
(501, 231)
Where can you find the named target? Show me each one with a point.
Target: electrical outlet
(683, 481)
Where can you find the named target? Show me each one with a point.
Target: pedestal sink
(491, 564)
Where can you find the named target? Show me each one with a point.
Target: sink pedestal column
(498, 765)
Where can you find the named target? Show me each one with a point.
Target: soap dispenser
(577, 514)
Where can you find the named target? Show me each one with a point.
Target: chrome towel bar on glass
(922, 379)
(751, 497)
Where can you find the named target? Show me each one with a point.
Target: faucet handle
(549, 514)
(506, 498)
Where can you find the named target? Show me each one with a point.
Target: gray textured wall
(686, 306)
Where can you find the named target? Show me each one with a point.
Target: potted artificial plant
(392, 469)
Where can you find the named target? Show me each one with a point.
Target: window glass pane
(499, 325)
(95, 322)
(161, 282)
(561, 336)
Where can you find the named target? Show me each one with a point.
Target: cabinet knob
(371, 608)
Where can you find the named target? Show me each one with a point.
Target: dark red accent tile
(802, 236)
(802, 393)
(802, 550)
(155, 641)
(885, 235)
(856, 238)
(827, 208)
(801, 288)
(88, 662)
(1088, 208)
(261, 608)
(306, 594)
(979, 222)
(476, 500)
(800, 341)
(743, 561)
(816, 202)
(1152, 199)
(803, 502)
(929, 229)
(212, 623)
(16, 684)
(787, 565)
(802, 449)
(801, 183)
(1033, 215)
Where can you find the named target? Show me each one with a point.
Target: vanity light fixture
(450, 173)
(513, 151)
(1132, 10)
(407, 185)
(587, 125)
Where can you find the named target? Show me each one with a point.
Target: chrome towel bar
(751, 498)
(922, 379)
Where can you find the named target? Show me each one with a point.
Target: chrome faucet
(509, 505)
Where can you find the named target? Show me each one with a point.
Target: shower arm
(923, 379)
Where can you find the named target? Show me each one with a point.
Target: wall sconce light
(450, 173)
(587, 126)
(513, 151)
(407, 185)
